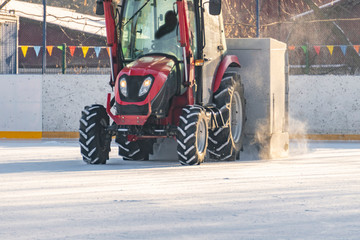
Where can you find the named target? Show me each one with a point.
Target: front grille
(132, 109)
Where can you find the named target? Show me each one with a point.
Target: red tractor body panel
(157, 66)
(228, 61)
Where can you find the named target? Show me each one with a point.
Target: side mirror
(215, 7)
(99, 7)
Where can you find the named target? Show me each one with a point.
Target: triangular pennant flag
(60, 47)
(72, 50)
(97, 51)
(291, 48)
(343, 49)
(49, 49)
(331, 49)
(357, 47)
(317, 49)
(85, 50)
(304, 48)
(37, 50)
(24, 50)
(108, 50)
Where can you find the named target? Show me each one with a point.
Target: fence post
(44, 39)
(257, 19)
(64, 58)
(307, 69)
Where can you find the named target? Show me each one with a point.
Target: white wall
(49, 103)
(20, 103)
(327, 104)
(53, 103)
(65, 96)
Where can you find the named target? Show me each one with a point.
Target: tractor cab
(149, 26)
(153, 59)
(173, 29)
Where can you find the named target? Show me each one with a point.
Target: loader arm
(187, 52)
(112, 33)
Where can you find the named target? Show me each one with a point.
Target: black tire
(137, 150)
(225, 143)
(94, 140)
(192, 136)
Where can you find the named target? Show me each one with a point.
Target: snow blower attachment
(172, 78)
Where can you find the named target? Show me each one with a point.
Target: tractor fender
(228, 61)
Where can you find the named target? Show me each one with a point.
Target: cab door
(215, 47)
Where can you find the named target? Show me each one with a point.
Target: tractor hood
(156, 67)
(149, 65)
(160, 69)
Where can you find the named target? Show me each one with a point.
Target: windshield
(150, 26)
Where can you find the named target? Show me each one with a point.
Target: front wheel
(94, 140)
(192, 136)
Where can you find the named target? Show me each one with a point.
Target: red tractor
(172, 79)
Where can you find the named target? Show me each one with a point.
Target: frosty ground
(47, 192)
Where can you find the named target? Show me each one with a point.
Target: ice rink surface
(47, 192)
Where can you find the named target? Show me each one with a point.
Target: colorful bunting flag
(331, 49)
(24, 50)
(317, 49)
(343, 49)
(72, 50)
(49, 49)
(304, 47)
(97, 51)
(357, 47)
(37, 50)
(85, 50)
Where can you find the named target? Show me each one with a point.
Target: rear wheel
(192, 136)
(136, 150)
(225, 143)
(94, 140)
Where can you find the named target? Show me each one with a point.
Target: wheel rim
(236, 117)
(201, 136)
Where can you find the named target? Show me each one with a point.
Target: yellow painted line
(60, 134)
(328, 137)
(39, 135)
(21, 135)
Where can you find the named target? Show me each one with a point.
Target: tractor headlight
(145, 87)
(123, 86)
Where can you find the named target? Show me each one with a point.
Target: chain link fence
(63, 59)
(8, 44)
(76, 43)
(323, 36)
(322, 39)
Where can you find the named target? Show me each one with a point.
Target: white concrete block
(65, 96)
(327, 104)
(21, 103)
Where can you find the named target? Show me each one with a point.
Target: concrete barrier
(35, 106)
(325, 107)
(65, 96)
(20, 106)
